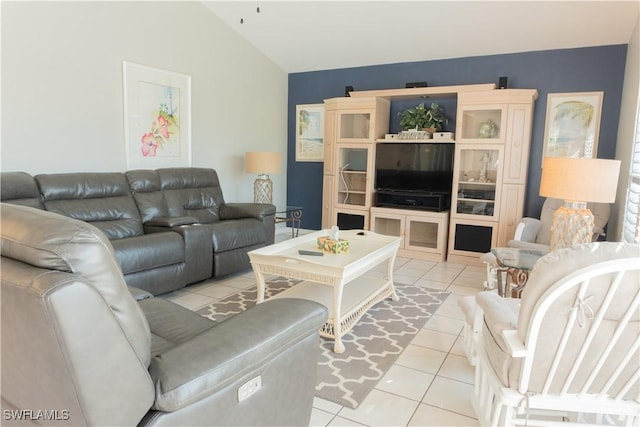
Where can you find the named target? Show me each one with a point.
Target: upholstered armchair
(570, 349)
(535, 234)
(78, 348)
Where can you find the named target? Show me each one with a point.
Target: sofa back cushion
(19, 188)
(146, 190)
(102, 199)
(192, 192)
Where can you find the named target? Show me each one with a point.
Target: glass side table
(292, 214)
(516, 264)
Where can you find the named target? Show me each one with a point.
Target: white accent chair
(572, 351)
(535, 234)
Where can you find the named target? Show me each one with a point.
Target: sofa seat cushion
(149, 251)
(237, 233)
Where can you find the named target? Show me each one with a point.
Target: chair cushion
(237, 233)
(499, 314)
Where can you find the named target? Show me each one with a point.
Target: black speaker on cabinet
(502, 82)
(347, 89)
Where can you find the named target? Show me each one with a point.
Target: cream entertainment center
(456, 212)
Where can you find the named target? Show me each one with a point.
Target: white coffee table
(337, 281)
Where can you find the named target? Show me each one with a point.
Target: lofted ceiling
(319, 35)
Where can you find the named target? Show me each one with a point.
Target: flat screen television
(425, 168)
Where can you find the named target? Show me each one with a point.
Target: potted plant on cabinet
(422, 118)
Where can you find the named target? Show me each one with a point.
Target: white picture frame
(572, 124)
(157, 117)
(310, 133)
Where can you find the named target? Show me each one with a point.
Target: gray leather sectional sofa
(169, 227)
(81, 348)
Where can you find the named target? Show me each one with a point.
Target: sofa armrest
(246, 210)
(198, 248)
(224, 354)
(171, 221)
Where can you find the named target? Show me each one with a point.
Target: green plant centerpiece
(420, 117)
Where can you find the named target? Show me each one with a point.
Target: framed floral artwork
(157, 117)
(572, 125)
(310, 133)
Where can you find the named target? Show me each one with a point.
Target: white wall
(626, 129)
(62, 102)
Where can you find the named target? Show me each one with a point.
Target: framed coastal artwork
(572, 125)
(310, 133)
(157, 117)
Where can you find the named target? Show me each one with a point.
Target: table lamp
(262, 163)
(577, 181)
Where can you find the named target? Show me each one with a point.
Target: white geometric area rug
(372, 346)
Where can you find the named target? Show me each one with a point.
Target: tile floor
(431, 382)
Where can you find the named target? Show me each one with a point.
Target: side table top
(523, 259)
(288, 209)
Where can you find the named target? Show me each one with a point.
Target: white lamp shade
(262, 162)
(580, 179)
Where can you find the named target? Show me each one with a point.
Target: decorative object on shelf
(310, 133)
(420, 118)
(157, 117)
(407, 135)
(572, 125)
(483, 171)
(577, 181)
(262, 163)
(448, 136)
(488, 129)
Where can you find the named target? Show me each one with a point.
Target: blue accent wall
(555, 71)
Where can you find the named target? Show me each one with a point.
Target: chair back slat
(573, 316)
(593, 330)
(622, 324)
(633, 381)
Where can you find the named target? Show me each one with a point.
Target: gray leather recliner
(76, 343)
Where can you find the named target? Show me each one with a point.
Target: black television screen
(421, 167)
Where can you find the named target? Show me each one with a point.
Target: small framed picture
(310, 133)
(572, 125)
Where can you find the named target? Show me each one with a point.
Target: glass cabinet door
(353, 175)
(477, 172)
(487, 124)
(354, 126)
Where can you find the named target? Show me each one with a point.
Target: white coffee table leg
(390, 263)
(260, 285)
(338, 346)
